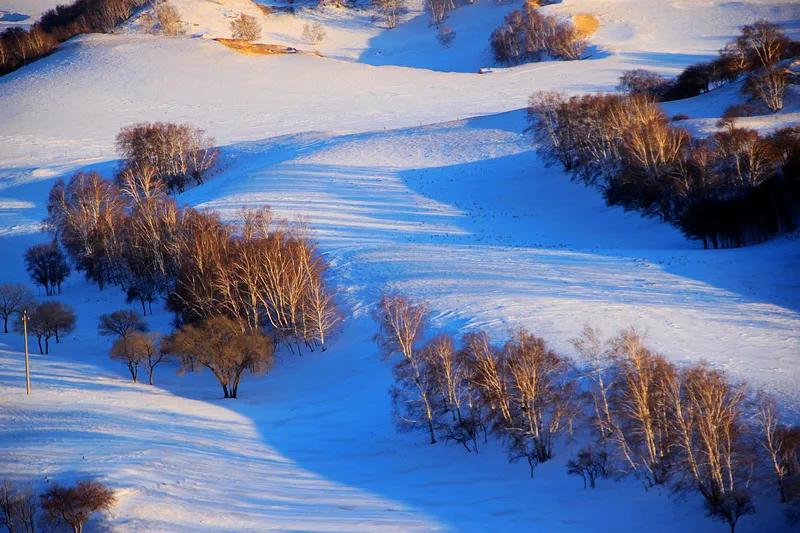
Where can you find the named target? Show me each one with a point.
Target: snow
(413, 172)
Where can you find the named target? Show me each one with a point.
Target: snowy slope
(410, 176)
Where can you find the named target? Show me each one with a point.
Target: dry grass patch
(259, 49)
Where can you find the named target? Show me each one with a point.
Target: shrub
(245, 27)
(314, 33)
(73, 506)
(735, 111)
(220, 345)
(445, 35)
(13, 300)
(169, 21)
(47, 266)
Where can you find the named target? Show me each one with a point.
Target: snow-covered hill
(413, 172)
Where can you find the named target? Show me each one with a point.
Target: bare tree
(176, 152)
(391, 10)
(74, 505)
(599, 363)
(401, 324)
(541, 397)
(713, 439)
(48, 320)
(47, 266)
(641, 420)
(137, 348)
(527, 35)
(87, 216)
(245, 27)
(590, 464)
(220, 345)
(782, 446)
(453, 400)
(439, 9)
(14, 298)
(17, 509)
(769, 86)
(762, 43)
(641, 81)
(746, 159)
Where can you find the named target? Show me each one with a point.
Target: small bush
(735, 111)
(679, 117)
(169, 21)
(445, 35)
(245, 28)
(73, 506)
(314, 33)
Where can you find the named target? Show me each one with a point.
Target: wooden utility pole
(27, 363)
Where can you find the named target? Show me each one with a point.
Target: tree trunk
(39, 340)
(150, 375)
(5, 323)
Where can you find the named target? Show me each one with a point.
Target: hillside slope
(409, 177)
